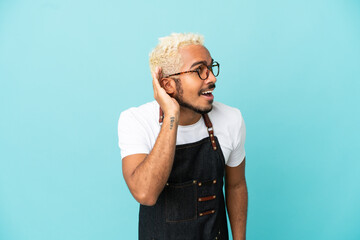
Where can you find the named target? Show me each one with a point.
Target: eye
(201, 69)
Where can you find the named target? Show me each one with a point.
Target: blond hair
(166, 53)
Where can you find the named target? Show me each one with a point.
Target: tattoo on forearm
(172, 120)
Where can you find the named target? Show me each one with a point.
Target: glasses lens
(203, 72)
(215, 69)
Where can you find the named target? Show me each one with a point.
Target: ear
(169, 85)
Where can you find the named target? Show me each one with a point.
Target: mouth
(207, 94)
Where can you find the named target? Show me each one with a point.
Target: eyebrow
(200, 62)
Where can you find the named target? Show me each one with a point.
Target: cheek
(192, 92)
(192, 88)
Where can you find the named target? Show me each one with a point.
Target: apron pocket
(180, 201)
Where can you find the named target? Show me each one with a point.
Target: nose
(211, 78)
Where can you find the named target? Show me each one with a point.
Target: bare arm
(237, 200)
(146, 175)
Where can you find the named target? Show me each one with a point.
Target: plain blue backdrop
(68, 68)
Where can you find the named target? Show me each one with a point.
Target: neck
(188, 116)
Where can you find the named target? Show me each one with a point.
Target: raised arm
(146, 175)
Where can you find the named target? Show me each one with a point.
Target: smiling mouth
(207, 93)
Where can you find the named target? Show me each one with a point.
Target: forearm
(151, 175)
(237, 202)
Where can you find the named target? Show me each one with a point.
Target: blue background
(68, 68)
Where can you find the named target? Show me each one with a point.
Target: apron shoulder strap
(161, 116)
(210, 130)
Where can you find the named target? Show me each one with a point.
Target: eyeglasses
(203, 71)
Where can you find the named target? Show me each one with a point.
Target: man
(177, 149)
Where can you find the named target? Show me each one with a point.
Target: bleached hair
(166, 54)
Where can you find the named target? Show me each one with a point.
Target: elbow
(145, 199)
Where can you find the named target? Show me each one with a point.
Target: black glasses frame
(213, 64)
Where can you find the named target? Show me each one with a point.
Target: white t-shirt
(139, 127)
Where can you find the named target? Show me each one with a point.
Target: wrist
(173, 117)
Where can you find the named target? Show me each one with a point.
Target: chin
(197, 109)
(205, 111)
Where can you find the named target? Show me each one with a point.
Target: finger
(159, 73)
(155, 75)
(155, 87)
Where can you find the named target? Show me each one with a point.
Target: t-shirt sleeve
(132, 135)
(237, 155)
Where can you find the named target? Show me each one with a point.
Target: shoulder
(228, 123)
(138, 128)
(226, 114)
(229, 127)
(144, 112)
(144, 117)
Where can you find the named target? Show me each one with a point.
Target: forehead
(194, 53)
